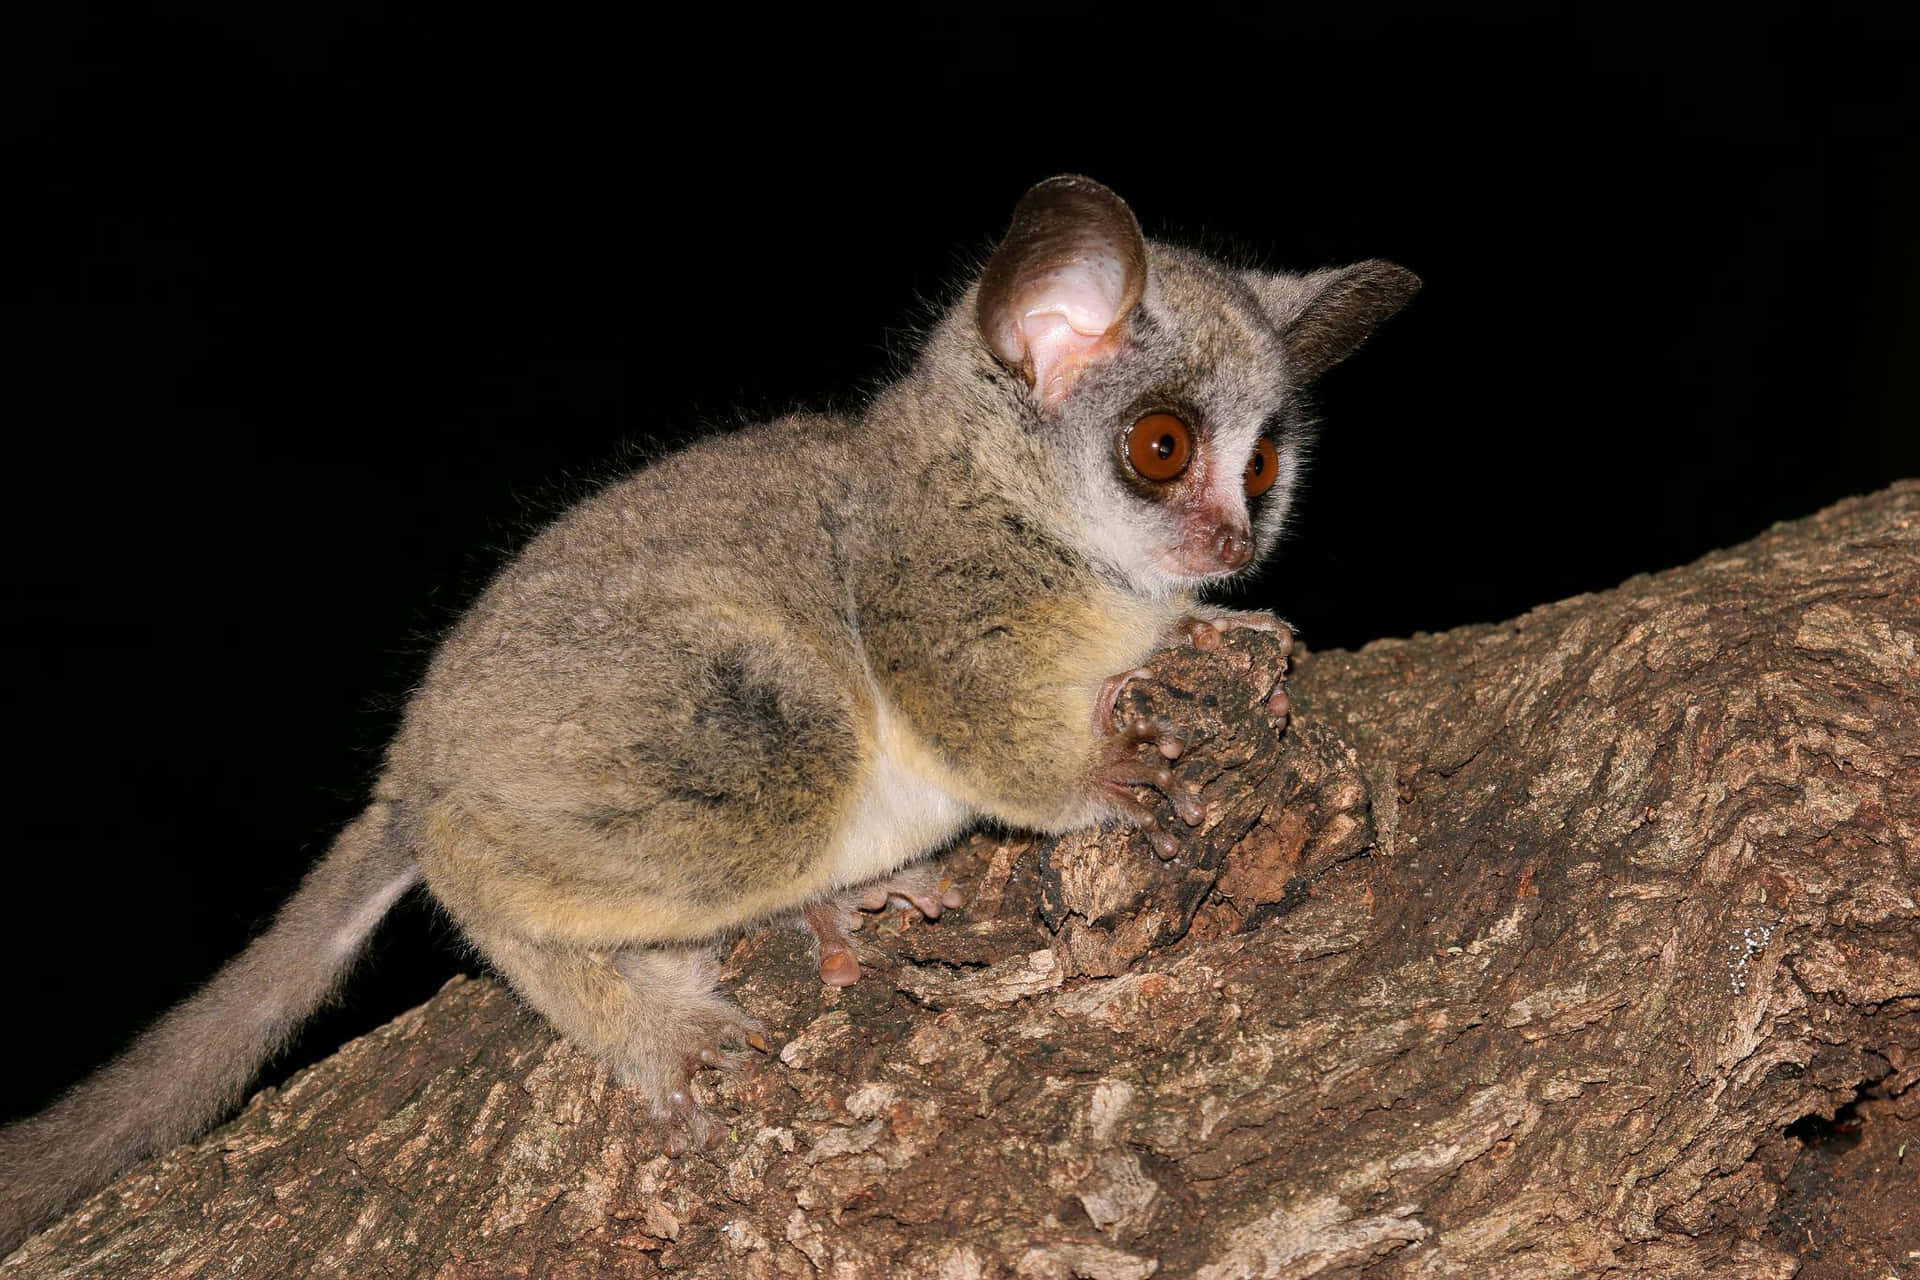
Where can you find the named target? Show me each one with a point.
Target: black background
(317, 339)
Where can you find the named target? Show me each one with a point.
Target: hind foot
(675, 1025)
(831, 922)
(721, 1044)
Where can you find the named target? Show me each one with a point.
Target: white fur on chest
(900, 814)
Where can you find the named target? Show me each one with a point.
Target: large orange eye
(1262, 468)
(1158, 447)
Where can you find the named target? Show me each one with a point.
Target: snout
(1233, 548)
(1211, 547)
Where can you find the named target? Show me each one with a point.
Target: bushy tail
(194, 1064)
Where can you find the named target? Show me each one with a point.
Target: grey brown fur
(763, 676)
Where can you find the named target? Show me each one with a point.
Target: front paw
(1136, 751)
(1138, 746)
(1206, 629)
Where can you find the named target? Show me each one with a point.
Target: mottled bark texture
(1517, 955)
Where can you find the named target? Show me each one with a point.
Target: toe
(837, 969)
(1187, 805)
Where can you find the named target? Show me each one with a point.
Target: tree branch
(1516, 955)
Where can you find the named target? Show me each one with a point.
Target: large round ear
(1056, 294)
(1324, 316)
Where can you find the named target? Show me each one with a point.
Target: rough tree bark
(1516, 956)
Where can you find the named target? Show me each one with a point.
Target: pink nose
(1233, 548)
(1212, 546)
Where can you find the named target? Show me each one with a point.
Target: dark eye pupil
(1258, 464)
(1165, 446)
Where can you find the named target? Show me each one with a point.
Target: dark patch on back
(757, 758)
(609, 819)
(705, 797)
(739, 735)
(738, 703)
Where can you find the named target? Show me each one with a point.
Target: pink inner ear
(1068, 323)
